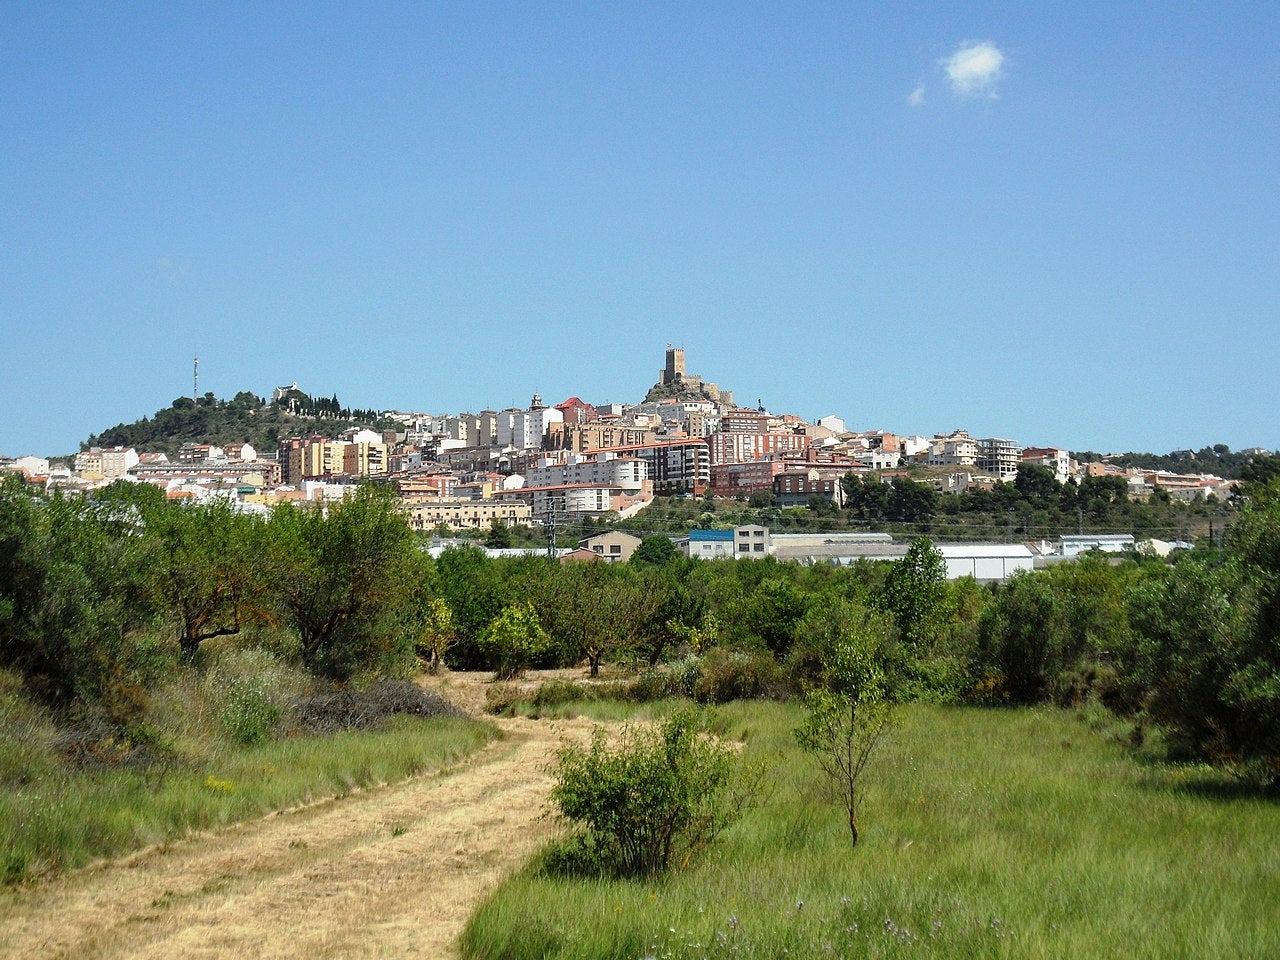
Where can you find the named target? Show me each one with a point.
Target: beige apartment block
(110, 463)
(613, 546)
(365, 459)
(465, 514)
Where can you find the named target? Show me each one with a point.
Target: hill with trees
(245, 418)
(1218, 459)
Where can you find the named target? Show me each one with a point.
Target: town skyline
(199, 386)
(547, 462)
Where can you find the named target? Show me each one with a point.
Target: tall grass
(986, 834)
(59, 817)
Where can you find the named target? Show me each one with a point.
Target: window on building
(744, 548)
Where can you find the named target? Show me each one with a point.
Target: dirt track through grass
(389, 872)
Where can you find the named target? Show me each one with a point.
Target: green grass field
(986, 833)
(61, 818)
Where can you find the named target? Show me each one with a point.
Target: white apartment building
(604, 468)
(525, 429)
(1059, 461)
(878, 459)
(32, 466)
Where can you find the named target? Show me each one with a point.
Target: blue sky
(1053, 222)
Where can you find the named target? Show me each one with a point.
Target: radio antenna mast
(195, 378)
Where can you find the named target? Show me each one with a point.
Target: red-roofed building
(576, 411)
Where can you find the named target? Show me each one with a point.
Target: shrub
(725, 675)
(660, 797)
(500, 698)
(334, 710)
(658, 683)
(1025, 636)
(555, 692)
(250, 689)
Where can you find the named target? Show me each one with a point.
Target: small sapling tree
(848, 714)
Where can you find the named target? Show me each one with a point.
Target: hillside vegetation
(246, 418)
(1218, 459)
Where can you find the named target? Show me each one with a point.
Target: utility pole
(551, 528)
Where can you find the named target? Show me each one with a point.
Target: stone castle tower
(674, 370)
(676, 381)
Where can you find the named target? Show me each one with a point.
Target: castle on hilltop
(675, 382)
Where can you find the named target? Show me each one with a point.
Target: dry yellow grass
(394, 871)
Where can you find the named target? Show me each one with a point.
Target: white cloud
(974, 69)
(917, 96)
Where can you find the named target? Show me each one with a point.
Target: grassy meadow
(985, 833)
(55, 816)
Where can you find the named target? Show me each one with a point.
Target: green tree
(1024, 637)
(470, 582)
(435, 632)
(656, 551)
(866, 498)
(1259, 472)
(76, 604)
(513, 641)
(1036, 482)
(499, 535)
(669, 612)
(343, 575)
(911, 502)
(822, 505)
(847, 716)
(212, 566)
(585, 608)
(1210, 650)
(772, 611)
(916, 594)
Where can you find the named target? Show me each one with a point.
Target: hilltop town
(572, 461)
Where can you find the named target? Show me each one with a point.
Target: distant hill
(1218, 459)
(246, 418)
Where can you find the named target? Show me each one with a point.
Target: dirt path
(390, 872)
